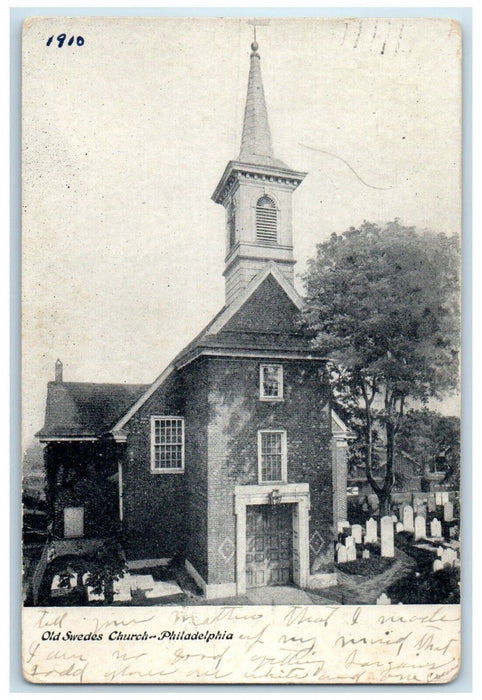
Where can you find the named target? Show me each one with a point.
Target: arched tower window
(266, 220)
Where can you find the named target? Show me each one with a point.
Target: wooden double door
(269, 544)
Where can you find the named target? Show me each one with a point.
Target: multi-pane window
(266, 220)
(270, 382)
(167, 444)
(272, 455)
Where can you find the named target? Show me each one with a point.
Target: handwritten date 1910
(79, 40)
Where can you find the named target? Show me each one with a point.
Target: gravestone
(438, 498)
(454, 532)
(341, 555)
(408, 519)
(351, 553)
(435, 528)
(431, 503)
(398, 527)
(386, 536)
(448, 556)
(394, 518)
(349, 541)
(366, 554)
(420, 532)
(356, 531)
(383, 600)
(417, 501)
(341, 525)
(421, 510)
(448, 512)
(444, 498)
(437, 565)
(371, 530)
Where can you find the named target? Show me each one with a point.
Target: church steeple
(256, 140)
(256, 192)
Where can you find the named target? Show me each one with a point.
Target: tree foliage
(106, 566)
(383, 304)
(433, 442)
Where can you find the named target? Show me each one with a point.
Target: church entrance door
(269, 544)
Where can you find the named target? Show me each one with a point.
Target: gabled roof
(270, 269)
(263, 318)
(84, 410)
(267, 331)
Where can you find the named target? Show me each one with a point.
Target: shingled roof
(266, 320)
(84, 410)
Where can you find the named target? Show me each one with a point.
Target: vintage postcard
(241, 350)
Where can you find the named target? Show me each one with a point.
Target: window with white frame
(167, 444)
(272, 457)
(271, 382)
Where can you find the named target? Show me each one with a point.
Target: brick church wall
(154, 517)
(195, 388)
(235, 416)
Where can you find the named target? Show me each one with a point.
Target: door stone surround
(258, 494)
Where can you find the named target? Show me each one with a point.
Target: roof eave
(235, 166)
(260, 353)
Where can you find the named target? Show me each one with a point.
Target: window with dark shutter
(266, 220)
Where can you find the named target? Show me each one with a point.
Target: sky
(126, 137)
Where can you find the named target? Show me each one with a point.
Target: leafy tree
(106, 566)
(433, 443)
(382, 302)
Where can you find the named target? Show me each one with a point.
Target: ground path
(360, 590)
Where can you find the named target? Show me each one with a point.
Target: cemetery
(410, 556)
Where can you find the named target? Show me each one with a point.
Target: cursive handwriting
(269, 644)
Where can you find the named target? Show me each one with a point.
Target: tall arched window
(266, 220)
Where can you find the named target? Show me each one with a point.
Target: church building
(232, 461)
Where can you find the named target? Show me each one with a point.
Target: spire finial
(256, 23)
(254, 45)
(256, 138)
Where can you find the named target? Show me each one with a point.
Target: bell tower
(256, 192)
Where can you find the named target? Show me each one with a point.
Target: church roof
(262, 322)
(85, 410)
(263, 319)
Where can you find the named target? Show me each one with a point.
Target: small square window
(272, 456)
(271, 382)
(167, 444)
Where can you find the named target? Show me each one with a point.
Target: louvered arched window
(266, 220)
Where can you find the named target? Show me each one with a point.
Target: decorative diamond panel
(226, 549)
(316, 542)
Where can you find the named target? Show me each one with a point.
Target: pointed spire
(256, 143)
